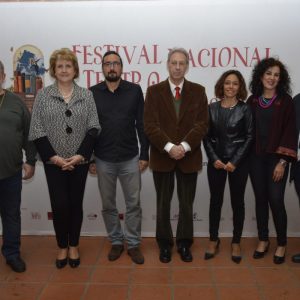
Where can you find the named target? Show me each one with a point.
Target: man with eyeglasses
(14, 129)
(176, 120)
(120, 106)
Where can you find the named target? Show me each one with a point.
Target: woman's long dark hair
(256, 87)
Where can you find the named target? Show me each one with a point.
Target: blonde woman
(64, 128)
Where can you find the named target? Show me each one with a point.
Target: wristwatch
(283, 162)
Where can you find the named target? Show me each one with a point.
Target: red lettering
(145, 55)
(153, 78)
(97, 52)
(191, 58)
(200, 57)
(88, 77)
(125, 75)
(221, 58)
(255, 57)
(136, 77)
(129, 58)
(98, 77)
(109, 47)
(75, 50)
(155, 55)
(213, 57)
(86, 55)
(242, 59)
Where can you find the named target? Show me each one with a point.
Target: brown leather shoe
(115, 252)
(136, 255)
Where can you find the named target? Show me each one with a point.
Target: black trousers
(269, 193)
(237, 184)
(296, 173)
(186, 189)
(66, 189)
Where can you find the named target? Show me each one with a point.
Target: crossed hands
(67, 164)
(229, 167)
(177, 152)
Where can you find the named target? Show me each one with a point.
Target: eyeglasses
(68, 113)
(110, 64)
(69, 129)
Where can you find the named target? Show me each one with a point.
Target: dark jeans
(186, 189)
(296, 173)
(237, 184)
(267, 192)
(66, 189)
(10, 202)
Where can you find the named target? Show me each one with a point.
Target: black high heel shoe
(209, 255)
(74, 263)
(236, 258)
(279, 259)
(258, 254)
(61, 263)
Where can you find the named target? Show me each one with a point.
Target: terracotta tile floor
(98, 279)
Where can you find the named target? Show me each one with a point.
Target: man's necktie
(177, 95)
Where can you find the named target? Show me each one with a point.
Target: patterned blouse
(64, 124)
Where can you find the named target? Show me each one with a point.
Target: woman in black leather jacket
(227, 145)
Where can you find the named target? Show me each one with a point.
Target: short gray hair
(1, 67)
(180, 50)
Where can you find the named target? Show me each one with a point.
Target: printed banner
(219, 35)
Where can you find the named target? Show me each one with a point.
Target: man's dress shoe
(165, 255)
(185, 254)
(296, 258)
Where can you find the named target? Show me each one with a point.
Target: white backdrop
(219, 35)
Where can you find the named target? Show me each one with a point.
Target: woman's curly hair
(256, 87)
(219, 87)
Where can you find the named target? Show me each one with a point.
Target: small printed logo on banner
(28, 70)
(35, 215)
(50, 215)
(121, 216)
(92, 216)
(175, 217)
(196, 218)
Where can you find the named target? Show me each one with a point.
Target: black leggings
(66, 189)
(237, 184)
(267, 192)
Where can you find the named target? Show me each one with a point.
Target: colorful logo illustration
(29, 70)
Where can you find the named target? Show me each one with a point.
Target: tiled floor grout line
(214, 281)
(89, 281)
(171, 278)
(129, 289)
(259, 287)
(45, 285)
